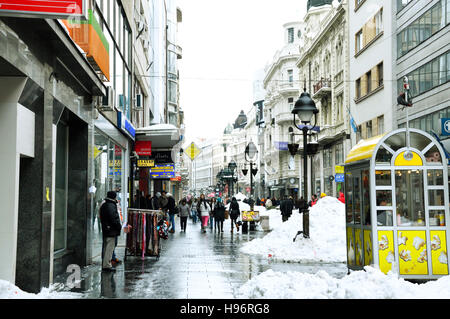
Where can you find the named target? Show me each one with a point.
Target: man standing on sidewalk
(111, 227)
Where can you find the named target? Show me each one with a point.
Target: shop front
(397, 205)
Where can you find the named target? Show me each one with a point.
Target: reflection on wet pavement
(192, 265)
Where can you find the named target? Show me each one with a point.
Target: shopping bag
(226, 214)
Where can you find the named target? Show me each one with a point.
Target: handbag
(227, 215)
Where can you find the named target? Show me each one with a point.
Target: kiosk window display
(397, 204)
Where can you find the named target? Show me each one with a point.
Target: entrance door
(61, 168)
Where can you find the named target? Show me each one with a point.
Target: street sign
(192, 151)
(339, 178)
(43, 8)
(445, 126)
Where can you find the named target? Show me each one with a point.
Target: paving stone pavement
(192, 265)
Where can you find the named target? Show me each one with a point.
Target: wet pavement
(192, 265)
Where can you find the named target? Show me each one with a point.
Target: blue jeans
(194, 216)
(211, 222)
(172, 221)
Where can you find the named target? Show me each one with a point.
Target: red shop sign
(43, 8)
(143, 148)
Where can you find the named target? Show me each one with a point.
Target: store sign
(339, 169)
(125, 125)
(55, 9)
(281, 146)
(143, 148)
(145, 163)
(162, 157)
(176, 179)
(162, 171)
(445, 126)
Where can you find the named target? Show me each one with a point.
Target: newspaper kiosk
(397, 205)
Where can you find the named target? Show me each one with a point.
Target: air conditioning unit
(138, 104)
(108, 101)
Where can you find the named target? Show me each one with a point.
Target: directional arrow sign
(192, 151)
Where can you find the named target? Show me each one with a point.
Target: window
(380, 123)
(369, 81)
(380, 74)
(432, 21)
(291, 103)
(401, 4)
(359, 41)
(290, 35)
(290, 76)
(379, 22)
(369, 129)
(358, 88)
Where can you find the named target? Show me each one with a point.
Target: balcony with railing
(322, 88)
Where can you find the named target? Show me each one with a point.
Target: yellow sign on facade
(145, 163)
(358, 248)
(339, 169)
(368, 252)
(412, 252)
(192, 151)
(350, 247)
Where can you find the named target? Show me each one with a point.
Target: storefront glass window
(409, 197)
(436, 197)
(383, 156)
(383, 178)
(384, 197)
(357, 198)
(349, 199)
(437, 218)
(61, 168)
(435, 177)
(366, 197)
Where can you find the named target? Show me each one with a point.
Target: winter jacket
(203, 208)
(235, 212)
(341, 198)
(109, 217)
(184, 210)
(268, 203)
(286, 207)
(171, 205)
(163, 202)
(219, 212)
(155, 203)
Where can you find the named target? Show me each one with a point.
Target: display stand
(143, 238)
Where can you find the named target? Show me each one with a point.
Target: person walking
(211, 214)
(219, 215)
(194, 210)
(235, 212)
(184, 214)
(111, 227)
(203, 208)
(313, 200)
(171, 210)
(286, 208)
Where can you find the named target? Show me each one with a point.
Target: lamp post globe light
(304, 109)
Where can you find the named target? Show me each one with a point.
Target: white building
(372, 47)
(282, 86)
(324, 70)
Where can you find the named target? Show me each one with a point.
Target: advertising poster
(412, 252)
(386, 254)
(368, 250)
(350, 247)
(438, 247)
(249, 216)
(359, 247)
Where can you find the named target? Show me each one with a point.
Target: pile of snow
(10, 291)
(377, 285)
(240, 197)
(242, 206)
(327, 242)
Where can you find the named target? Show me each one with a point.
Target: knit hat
(111, 194)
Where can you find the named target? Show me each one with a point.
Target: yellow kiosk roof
(364, 149)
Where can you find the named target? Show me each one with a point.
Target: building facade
(281, 84)
(323, 68)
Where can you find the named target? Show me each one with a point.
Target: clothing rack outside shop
(143, 238)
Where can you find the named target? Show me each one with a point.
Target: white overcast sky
(224, 43)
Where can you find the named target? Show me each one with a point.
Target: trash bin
(264, 220)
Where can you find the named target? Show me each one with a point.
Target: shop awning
(161, 135)
(363, 150)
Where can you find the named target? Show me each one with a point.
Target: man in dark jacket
(111, 227)
(286, 208)
(171, 210)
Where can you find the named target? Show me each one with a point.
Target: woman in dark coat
(235, 212)
(219, 215)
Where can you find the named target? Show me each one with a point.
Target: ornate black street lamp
(251, 153)
(232, 167)
(305, 109)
